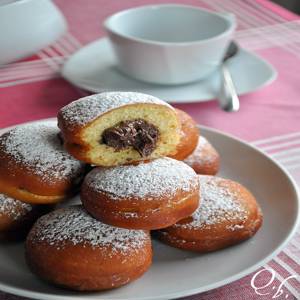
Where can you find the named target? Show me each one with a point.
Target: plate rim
(87, 87)
(39, 295)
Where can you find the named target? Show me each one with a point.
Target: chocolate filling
(139, 134)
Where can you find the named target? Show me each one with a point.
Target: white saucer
(177, 273)
(93, 68)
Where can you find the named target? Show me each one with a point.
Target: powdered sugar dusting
(86, 109)
(74, 225)
(36, 146)
(199, 154)
(164, 176)
(217, 204)
(13, 208)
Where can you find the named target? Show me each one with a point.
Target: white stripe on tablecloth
(51, 55)
(13, 76)
(266, 12)
(73, 41)
(248, 20)
(28, 80)
(63, 47)
(52, 64)
(292, 248)
(63, 50)
(269, 36)
(287, 268)
(293, 167)
(47, 67)
(295, 243)
(292, 256)
(284, 153)
(23, 70)
(67, 42)
(292, 27)
(66, 46)
(281, 279)
(290, 272)
(258, 12)
(289, 159)
(261, 15)
(60, 47)
(278, 29)
(54, 54)
(53, 51)
(25, 73)
(276, 138)
(264, 16)
(280, 145)
(24, 65)
(69, 48)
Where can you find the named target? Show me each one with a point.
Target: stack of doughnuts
(134, 187)
(137, 163)
(35, 171)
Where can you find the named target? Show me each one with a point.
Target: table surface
(269, 118)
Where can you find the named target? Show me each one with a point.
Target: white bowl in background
(26, 26)
(169, 43)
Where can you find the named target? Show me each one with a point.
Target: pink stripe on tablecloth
(279, 10)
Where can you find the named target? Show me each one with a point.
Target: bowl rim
(18, 3)
(227, 17)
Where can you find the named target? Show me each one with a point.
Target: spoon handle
(228, 98)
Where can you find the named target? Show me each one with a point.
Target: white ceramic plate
(176, 273)
(93, 68)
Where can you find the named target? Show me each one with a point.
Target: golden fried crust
(86, 268)
(32, 182)
(13, 173)
(28, 197)
(134, 213)
(205, 161)
(20, 182)
(189, 136)
(211, 237)
(16, 228)
(72, 137)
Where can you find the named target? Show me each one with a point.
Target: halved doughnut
(114, 128)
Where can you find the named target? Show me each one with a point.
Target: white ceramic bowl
(27, 26)
(169, 43)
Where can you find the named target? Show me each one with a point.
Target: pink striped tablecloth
(32, 89)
